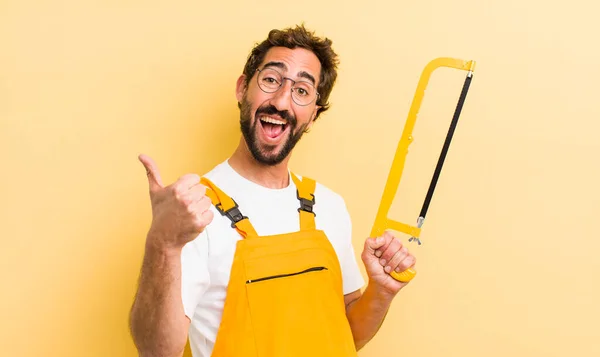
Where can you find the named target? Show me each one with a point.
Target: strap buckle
(234, 214)
(306, 205)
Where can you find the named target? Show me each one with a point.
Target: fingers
(399, 261)
(154, 179)
(388, 253)
(200, 206)
(387, 239)
(185, 183)
(202, 213)
(372, 244)
(406, 263)
(187, 189)
(393, 255)
(192, 195)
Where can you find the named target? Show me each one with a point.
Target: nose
(282, 99)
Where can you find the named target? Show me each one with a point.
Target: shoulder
(218, 173)
(328, 195)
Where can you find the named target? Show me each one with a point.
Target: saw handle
(404, 276)
(378, 230)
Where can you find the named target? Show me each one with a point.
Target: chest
(267, 218)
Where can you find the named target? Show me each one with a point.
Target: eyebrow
(281, 65)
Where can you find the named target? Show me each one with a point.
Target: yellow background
(508, 266)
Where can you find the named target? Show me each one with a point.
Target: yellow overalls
(285, 296)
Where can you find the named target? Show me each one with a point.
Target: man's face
(272, 123)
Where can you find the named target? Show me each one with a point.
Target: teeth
(272, 120)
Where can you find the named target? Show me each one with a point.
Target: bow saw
(382, 222)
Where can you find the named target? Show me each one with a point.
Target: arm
(180, 212)
(366, 311)
(158, 323)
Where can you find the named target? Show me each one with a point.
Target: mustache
(271, 110)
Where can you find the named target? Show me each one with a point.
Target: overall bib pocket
(250, 281)
(302, 302)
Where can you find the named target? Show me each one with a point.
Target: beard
(267, 154)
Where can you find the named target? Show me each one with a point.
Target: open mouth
(273, 127)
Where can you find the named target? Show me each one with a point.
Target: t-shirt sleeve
(353, 280)
(195, 277)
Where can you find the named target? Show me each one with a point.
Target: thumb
(154, 180)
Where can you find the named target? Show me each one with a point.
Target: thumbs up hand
(180, 211)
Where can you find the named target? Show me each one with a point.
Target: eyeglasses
(270, 81)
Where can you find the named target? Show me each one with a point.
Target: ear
(240, 88)
(312, 118)
(315, 112)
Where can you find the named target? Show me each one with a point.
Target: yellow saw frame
(382, 222)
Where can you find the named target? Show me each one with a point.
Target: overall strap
(228, 207)
(305, 193)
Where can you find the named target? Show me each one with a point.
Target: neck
(245, 164)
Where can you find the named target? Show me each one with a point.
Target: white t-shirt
(207, 260)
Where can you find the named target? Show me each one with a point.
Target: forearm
(367, 314)
(158, 322)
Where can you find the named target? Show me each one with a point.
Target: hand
(383, 254)
(179, 212)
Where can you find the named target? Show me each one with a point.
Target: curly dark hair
(292, 38)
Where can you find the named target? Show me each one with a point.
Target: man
(252, 259)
